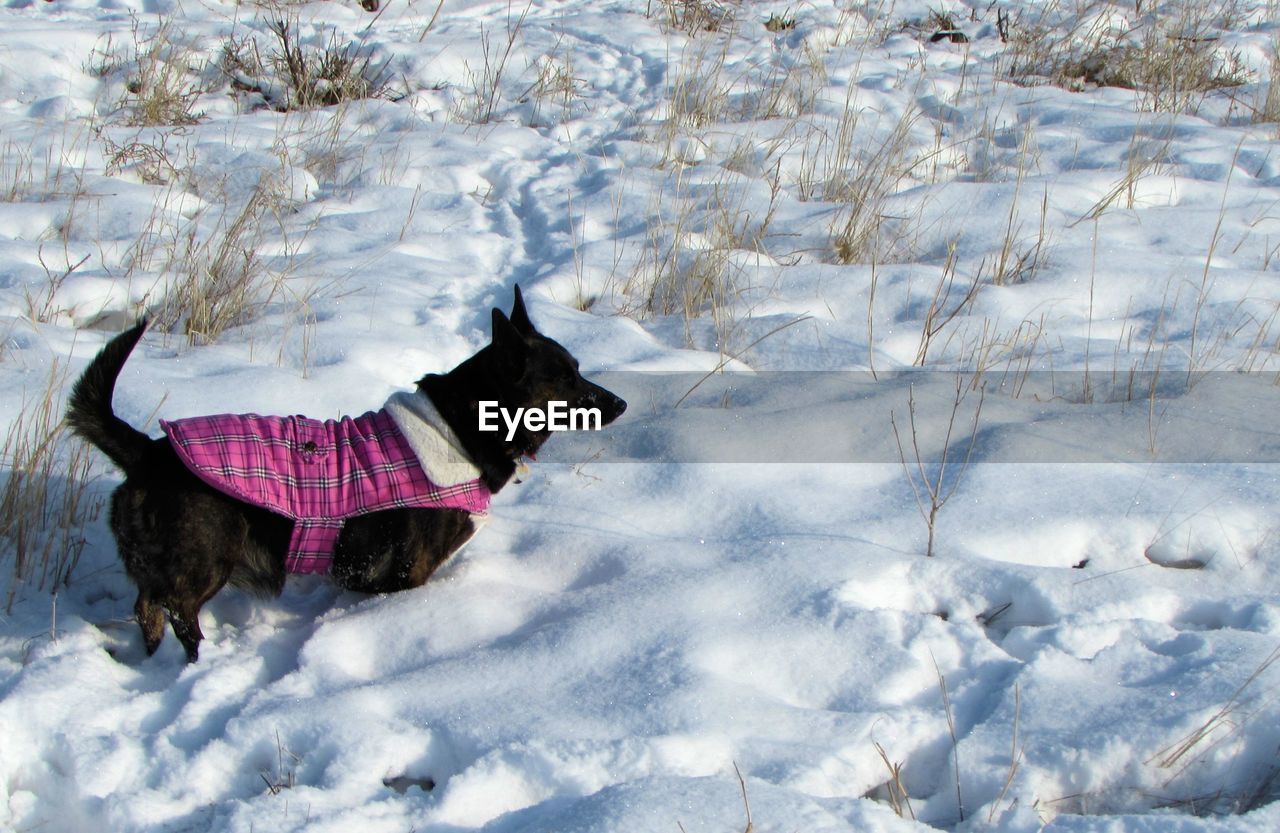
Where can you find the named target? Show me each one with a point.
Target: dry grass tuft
(163, 81)
(44, 505)
(220, 280)
(776, 23)
(285, 776)
(556, 84)
(153, 162)
(292, 75)
(480, 104)
(695, 259)
(1172, 58)
(895, 790)
(861, 179)
(24, 176)
(43, 306)
(1269, 111)
(694, 16)
(931, 486)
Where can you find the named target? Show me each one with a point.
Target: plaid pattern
(317, 473)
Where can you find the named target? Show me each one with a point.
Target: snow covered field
(1039, 241)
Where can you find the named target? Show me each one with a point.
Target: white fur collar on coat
(437, 447)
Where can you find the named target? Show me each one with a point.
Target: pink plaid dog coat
(317, 473)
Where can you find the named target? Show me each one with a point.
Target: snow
(1072, 291)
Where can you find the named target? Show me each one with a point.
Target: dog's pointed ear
(519, 316)
(508, 343)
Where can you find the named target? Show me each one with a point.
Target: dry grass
(27, 176)
(17, 174)
(1269, 110)
(950, 298)
(1171, 57)
(1142, 159)
(43, 306)
(789, 89)
(931, 484)
(1225, 719)
(895, 790)
(697, 252)
(44, 503)
(555, 85)
(1226, 724)
(861, 177)
(1015, 748)
(153, 162)
(684, 266)
(292, 75)
(323, 76)
(699, 94)
(693, 16)
(285, 776)
(1020, 258)
(162, 81)
(219, 280)
(702, 94)
(1171, 73)
(776, 23)
(951, 720)
(746, 804)
(480, 104)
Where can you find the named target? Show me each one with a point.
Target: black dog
(181, 539)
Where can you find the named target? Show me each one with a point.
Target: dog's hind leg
(151, 620)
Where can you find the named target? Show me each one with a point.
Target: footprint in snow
(1177, 558)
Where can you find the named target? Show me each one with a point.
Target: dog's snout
(611, 407)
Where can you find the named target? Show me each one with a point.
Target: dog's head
(534, 372)
(508, 399)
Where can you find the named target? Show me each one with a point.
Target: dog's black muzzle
(610, 406)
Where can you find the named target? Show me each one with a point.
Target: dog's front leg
(186, 626)
(399, 548)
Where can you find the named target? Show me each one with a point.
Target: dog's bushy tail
(90, 414)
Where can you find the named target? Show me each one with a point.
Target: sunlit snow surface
(739, 581)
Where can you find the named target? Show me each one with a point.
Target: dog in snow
(377, 501)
